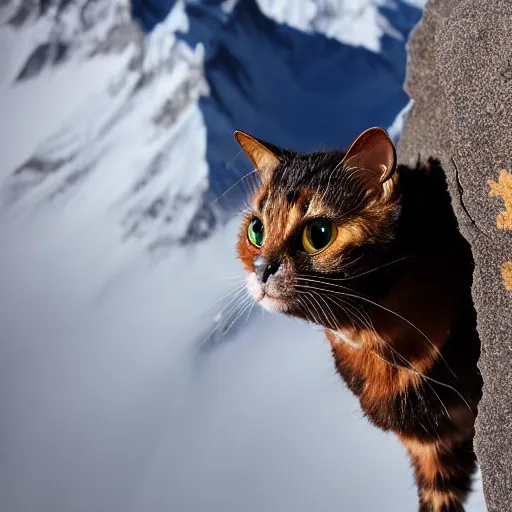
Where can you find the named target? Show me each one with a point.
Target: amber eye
(255, 232)
(318, 235)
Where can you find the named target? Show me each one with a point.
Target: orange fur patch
(437, 499)
(426, 458)
(294, 217)
(372, 367)
(350, 233)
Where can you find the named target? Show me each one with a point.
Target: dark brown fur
(396, 281)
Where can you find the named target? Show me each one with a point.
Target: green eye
(317, 236)
(255, 232)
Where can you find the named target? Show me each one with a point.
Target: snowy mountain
(354, 22)
(142, 92)
(297, 89)
(117, 259)
(144, 98)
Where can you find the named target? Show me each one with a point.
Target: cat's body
(372, 253)
(426, 387)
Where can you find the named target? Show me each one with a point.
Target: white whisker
(236, 291)
(239, 289)
(384, 308)
(234, 185)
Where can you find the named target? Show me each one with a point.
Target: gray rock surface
(460, 75)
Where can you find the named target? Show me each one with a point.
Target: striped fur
(393, 293)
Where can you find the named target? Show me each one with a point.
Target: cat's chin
(272, 304)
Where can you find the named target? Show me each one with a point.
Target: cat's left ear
(262, 155)
(374, 153)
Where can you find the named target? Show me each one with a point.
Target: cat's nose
(264, 268)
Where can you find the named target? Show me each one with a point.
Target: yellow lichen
(506, 272)
(503, 188)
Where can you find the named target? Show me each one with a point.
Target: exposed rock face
(460, 76)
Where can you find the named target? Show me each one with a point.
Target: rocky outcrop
(460, 76)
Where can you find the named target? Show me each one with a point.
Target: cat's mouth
(272, 303)
(261, 295)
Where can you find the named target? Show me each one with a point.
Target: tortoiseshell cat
(371, 251)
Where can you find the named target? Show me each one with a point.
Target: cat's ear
(374, 153)
(262, 155)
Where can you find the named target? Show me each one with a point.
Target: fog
(113, 401)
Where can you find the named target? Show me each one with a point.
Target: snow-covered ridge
(36, 34)
(353, 22)
(132, 136)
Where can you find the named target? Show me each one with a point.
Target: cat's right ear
(261, 154)
(375, 155)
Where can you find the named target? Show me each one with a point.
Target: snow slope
(141, 94)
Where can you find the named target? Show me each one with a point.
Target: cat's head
(317, 221)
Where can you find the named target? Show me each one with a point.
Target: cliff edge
(459, 74)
